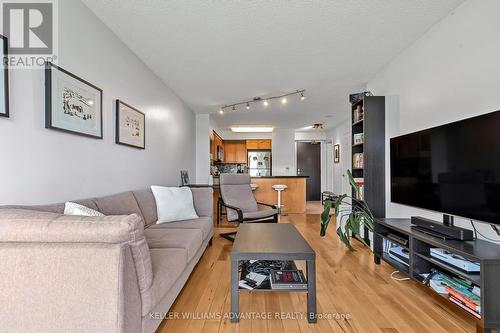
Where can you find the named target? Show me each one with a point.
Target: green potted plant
(353, 210)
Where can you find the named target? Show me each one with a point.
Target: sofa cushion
(168, 265)
(187, 239)
(147, 204)
(118, 204)
(72, 208)
(54, 208)
(174, 204)
(205, 224)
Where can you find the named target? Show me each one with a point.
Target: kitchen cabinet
(217, 145)
(259, 144)
(235, 151)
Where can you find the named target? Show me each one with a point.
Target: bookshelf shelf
(368, 126)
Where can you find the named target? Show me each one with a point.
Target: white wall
(341, 134)
(284, 152)
(203, 131)
(451, 73)
(41, 166)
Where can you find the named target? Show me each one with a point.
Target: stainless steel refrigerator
(259, 163)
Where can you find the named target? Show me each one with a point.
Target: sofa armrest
(68, 273)
(203, 198)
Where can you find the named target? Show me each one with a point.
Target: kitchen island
(293, 198)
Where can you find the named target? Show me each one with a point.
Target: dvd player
(455, 260)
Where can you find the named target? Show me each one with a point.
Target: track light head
(248, 106)
(284, 100)
(302, 97)
(266, 103)
(221, 111)
(234, 108)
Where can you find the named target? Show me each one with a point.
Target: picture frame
(336, 153)
(130, 126)
(72, 105)
(4, 78)
(184, 178)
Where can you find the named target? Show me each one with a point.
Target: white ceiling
(213, 53)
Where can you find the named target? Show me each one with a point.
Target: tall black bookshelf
(368, 141)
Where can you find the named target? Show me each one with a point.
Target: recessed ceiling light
(221, 111)
(91, 102)
(252, 129)
(283, 100)
(266, 103)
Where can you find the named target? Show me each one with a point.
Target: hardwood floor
(347, 283)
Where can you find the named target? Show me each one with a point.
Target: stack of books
(461, 292)
(361, 184)
(358, 114)
(358, 161)
(359, 138)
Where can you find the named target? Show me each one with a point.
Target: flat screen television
(452, 169)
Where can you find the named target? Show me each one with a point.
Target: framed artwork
(130, 126)
(336, 153)
(184, 178)
(72, 104)
(4, 78)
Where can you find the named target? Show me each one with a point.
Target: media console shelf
(420, 261)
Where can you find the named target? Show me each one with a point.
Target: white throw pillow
(71, 208)
(174, 204)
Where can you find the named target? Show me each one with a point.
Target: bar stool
(279, 188)
(254, 186)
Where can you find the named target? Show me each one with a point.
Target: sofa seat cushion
(168, 265)
(187, 239)
(205, 224)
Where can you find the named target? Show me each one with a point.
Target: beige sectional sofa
(117, 273)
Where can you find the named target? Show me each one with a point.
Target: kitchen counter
(257, 177)
(293, 198)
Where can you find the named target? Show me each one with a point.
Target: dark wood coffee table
(272, 241)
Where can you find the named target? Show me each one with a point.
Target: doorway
(309, 164)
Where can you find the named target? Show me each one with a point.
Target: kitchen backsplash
(231, 168)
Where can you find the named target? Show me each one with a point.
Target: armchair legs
(227, 235)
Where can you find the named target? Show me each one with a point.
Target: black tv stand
(418, 244)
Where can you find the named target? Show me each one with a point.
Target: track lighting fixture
(265, 101)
